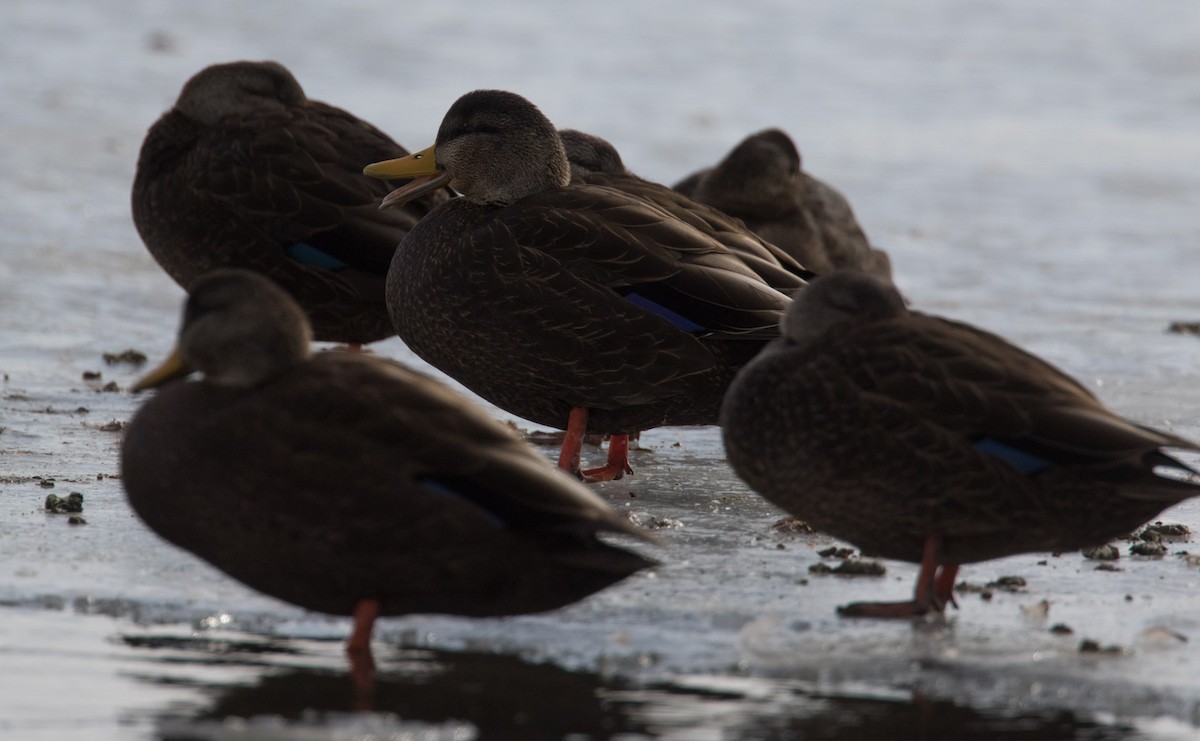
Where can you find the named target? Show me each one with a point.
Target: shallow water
(1031, 168)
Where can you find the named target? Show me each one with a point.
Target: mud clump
(793, 526)
(850, 567)
(1184, 328)
(73, 502)
(1149, 549)
(834, 551)
(1106, 552)
(1157, 531)
(126, 357)
(1088, 646)
(1009, 584)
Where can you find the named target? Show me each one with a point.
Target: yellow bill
(421, 166)
(171, 368)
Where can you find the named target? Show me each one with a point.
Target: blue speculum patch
(1025, 463)
(306, 254)
(679, 320)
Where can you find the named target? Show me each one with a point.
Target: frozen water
(1031, 167)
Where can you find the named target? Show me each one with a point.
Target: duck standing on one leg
(928, 440)
(245, 171)
(351, 485)
(575, 306)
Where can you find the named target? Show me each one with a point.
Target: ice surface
(1031, 167)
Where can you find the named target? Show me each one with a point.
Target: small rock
(110, 387)
(1088, 646)
(1108, 567)
(72, 503)
(1009, 584)
(1184, 328)
(46, 483)
(1146, 548)
(113, 426)
(132, 357)
(834, 551)
(792, 525)
(1061, 629)
(1106, 552)
(850, 567)
(1167, 530)
(92, 375)
(663, 523)
(76, 520)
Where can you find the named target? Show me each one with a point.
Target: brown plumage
(245, 171)
(594, 161)
(548, 298)
(761, 182)
(340, 479)
(927, 440)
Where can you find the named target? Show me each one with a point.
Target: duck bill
(421, 166)
(171, 368)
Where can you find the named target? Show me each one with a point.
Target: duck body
(761, 182)
(548, 297)
(529, 305)
(332, 480)
(245, 171)
(887, 428)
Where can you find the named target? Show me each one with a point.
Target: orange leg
(943, 588)
(358, 647)
(568, 457)
(618, 461)
(934, 589)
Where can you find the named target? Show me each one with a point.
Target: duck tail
(1173, 473)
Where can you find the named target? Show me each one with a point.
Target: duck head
(493, 147)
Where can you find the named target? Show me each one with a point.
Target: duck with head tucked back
(246, 171)
(580, 307)
(761, 181)
(349, 484)
(595, 161)
(927, 440)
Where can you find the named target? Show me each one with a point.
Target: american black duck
(595, 161)
(761, 181)
(245, 171)
(575, 306)
(351, 485)
(927, 440)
